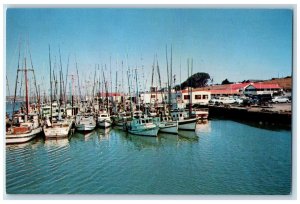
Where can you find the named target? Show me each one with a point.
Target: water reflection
(188, 134)
(142, 142)
(88, 135)
(203, 126)
(57, 143)
(33, 144)
(103, 134)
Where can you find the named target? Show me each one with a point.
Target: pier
(276, 114)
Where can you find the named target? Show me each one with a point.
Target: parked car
(221, 101)
(238, 101)
(281, 99)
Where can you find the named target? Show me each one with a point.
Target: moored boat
(142, 126)
(58, 129)
(104, 120)
(85, 122)
(184, 122)
(121, 119)
(166, 125)
(23, 130)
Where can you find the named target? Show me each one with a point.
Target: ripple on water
(219, 161)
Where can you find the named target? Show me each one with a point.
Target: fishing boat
(184, 122)
(23, 129)
(58, 129)
(25, 125)
(142, 126)
(121, 119)
(166, 125)
(56, 126)
(85, 122)
(104, 120)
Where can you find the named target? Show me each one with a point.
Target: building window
(205, 96)
(186, 96)
(197, 96)
(152, 96)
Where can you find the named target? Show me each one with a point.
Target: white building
(198, 97)
(260, 88)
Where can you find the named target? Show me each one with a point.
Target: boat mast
(191, 95)
(116, 90)
(7, 85)
(129, 85)
(15, 95)
(170, 102)
(111, 97)
(106, 89)
(124, 101)
(65, 88)
(26, 90)
(60, 86)
(78, 79)
(168, 80)
(180, 74)
(137, 88)
(34, 81)
(50, 87)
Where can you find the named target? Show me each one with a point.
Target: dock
(277, 114)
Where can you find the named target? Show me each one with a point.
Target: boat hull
(85, 127)
(151, 132)
(22, 138)
(57, 132)
(187, 124)
(104, 124)
(169, 128)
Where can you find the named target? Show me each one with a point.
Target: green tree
(197, 80)
(226, 81)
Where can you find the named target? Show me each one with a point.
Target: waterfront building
(261, 88)
(198, 96)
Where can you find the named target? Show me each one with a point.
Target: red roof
(265, 86)
(239, 85)
(226, 91)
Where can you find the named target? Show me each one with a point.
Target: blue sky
(236, 44)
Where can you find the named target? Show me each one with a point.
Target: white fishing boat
(104, 120)
(58, 129)
(85, 122)
(24, 126)
(166, 125)
(23, 130)
(184, 122)
(142, 126)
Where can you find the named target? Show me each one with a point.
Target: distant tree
(197, 80)
(246, 81)
(226, 81)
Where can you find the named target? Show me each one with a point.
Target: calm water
(223, 157)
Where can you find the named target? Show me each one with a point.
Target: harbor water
(221, 157)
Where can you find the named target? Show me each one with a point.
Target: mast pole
(26, 90)
(50, 87)
(16, 82)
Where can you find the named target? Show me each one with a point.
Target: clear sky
(236, 44)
